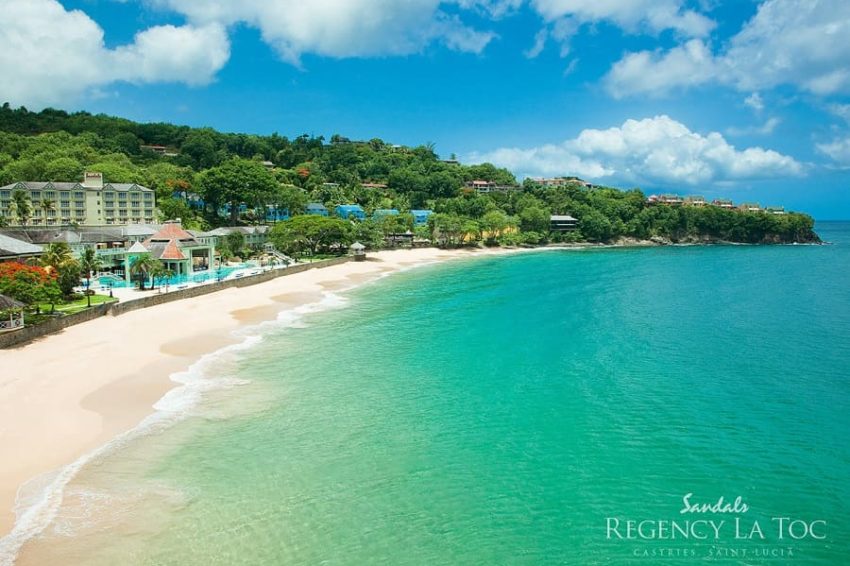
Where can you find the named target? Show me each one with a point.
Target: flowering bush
(28, 284)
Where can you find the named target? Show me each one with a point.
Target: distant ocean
(524, 409)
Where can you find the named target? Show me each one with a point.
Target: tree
(58, 259)
(310, 234)
(235, 242)
(89, 262)
(28, 284)
(22, 206)
(534, 219)
(142, 267)
(237, 181)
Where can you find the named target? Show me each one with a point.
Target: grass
(77, 305)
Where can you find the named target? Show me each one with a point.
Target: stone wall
(30, 333)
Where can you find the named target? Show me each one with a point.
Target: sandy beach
(65, 395)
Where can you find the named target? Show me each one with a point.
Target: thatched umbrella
(8, 303)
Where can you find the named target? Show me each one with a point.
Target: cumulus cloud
(656, 151)
(797, 42)
(565, 17)
(838, 150)
(345, 28)
(49, 55)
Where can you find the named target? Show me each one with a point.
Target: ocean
(553, 407)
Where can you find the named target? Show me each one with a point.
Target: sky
(746, 99)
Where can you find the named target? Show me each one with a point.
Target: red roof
(171, 231)
(172, 251)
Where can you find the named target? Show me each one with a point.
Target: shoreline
(75, 393)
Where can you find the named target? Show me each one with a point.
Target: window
(35, 195)
(65, 204)
(50, 195)
(148, 196)
(65, 195)
(79, 195)
(5, 194)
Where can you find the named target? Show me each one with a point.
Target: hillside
(226, 171)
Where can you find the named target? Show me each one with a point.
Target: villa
(350, 211)
(750, 207)
(178, 250)
(695, 200)
(89, 203)
(420, 217)
(255, 236)
(561, 182)
(483, 187)
(375, 186)
(316, 209)
(775, 210)
(562, 223)
(671, 200)
(722, 203)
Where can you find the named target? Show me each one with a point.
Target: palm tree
(89, 262)
(142, 267)
(23, 206)
(56, 255)
(47, 205)
(157, 272)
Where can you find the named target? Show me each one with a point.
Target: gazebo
(11, 314)
(359, 251)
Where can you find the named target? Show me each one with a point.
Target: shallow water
(506, 410)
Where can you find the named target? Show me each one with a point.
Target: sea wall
(29, 333)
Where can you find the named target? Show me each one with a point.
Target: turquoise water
(503, 411)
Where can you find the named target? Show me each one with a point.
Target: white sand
(69, 393)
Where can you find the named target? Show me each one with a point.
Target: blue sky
(746, 99)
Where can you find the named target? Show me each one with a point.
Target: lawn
(77, 305)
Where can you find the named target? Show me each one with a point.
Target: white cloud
(565, 17)
(755, 102)
(657, 72)
(631, 15)
(345, 28)
(657, 151)
(797, 42)
(49, 55)
(764, 130)
(841, 110)
(838, 150)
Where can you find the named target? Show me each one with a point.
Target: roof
(316, 206)
(172, 231)
(421, 212)
(14, 247)
(75, 186)
(350, 207)
(562, 218)
(69, 236)
(387, 212)
(137, 248)
(7, 303)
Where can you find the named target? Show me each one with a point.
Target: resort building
(695, 200)
(561, 182)
(775, 210)
(749, 207)
(562, 223)
(374, 186)
(178, 250)
(348, 211)
(484, 187)
(89, 203)
(671, 200)
(13, 249)
(722, 203)
(255, 236)
(420, 217)
(317, 209)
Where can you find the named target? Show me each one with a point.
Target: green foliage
(225, 169)
(311, 234)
